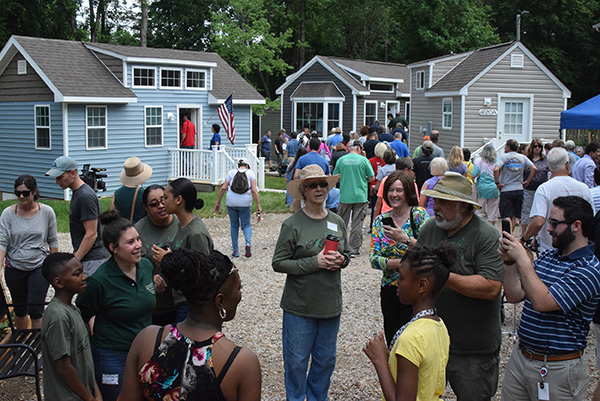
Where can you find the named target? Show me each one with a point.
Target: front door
(514, 119)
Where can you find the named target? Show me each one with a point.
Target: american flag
(226, 117)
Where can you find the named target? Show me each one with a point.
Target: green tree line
(266, 40)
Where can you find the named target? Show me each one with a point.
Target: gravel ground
(258, 321)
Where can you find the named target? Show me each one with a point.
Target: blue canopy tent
(583, 116)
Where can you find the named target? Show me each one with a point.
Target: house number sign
(488, 112)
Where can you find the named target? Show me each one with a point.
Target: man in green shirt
(355, 173)
(469, 304)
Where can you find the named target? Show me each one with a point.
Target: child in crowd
(415, 368)
(68, 363)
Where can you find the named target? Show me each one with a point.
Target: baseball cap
(60, 165)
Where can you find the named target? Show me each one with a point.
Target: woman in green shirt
(121, 296)
(312, 296)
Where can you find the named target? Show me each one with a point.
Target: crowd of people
(152, 293)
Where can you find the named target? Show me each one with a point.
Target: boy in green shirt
(68, 367)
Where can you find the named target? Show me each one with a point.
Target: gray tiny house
(332, 92)
(494, 93)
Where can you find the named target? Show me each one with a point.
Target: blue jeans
(303, 338)
(107, 364)
(237, 215)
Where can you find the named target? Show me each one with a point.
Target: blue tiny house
(101, 103)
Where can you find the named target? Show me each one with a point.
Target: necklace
(426, 312)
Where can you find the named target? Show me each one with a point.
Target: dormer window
(144, 77)
(420, 80)
(170, 78)
(195, 79)
(381, 87)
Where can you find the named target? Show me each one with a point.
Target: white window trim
(365, 110)
(160, 85)
(382, 91)
(407, 111)
(445, 113)
(325, 104)
(133, 85)
(422, 73)
(161, 126)
(517, 61)
(35, 107)
(205, 80)
(105, 128)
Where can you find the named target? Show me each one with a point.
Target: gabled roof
(69, 69)
(73, 71)
(317, 90)
(354, 72)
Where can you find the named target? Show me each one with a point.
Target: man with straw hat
(469, 303)
(127, 200)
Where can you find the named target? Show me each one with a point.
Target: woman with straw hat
(127, 200)
(312, 296)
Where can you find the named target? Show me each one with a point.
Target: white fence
(212, 166)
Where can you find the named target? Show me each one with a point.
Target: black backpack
(239, 185)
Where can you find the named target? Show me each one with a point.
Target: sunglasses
(314, 185)
(555, 223)
(537, 146)
(156, 203)
(24, 193)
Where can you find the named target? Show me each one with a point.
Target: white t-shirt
(239, 200)
(512, 166)
(545, 195)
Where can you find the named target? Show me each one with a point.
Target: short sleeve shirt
(84, 207)
(234, 199)
(354, 170)
(512, 167)
(313, 158)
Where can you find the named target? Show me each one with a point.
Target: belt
(549, 357)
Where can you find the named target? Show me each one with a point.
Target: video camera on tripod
(93, 177)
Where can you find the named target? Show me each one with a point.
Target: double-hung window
(154, 125)
(447, 113)
(95, 117)
(42, 127)
(420, 80)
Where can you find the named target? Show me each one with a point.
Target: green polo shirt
(122, 307)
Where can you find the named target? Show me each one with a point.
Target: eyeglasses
(537, 146)
(24, 193)
(159, 201)
(314, 185)
(554, 223)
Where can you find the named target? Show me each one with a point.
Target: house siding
(17, 141)
(23, 88)
(547, 104)
(115, 65)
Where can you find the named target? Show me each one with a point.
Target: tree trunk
(93, 25)
(144, 23)
(302, 33)
(264, 79)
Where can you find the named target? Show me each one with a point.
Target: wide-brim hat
(310, 172)
(453, 187)
(135, 172)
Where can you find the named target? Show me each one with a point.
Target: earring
(223, 313)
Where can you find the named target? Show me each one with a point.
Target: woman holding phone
(393, 233)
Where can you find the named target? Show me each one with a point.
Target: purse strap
(133, 203)
(412, 223)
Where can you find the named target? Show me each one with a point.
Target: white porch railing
(212, 166)
(498, 145)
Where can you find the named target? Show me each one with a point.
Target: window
(516, 61)
(170, 78)
(96, 127)
(420, 84)
(447, 113)
(381, 87)
(42, 127)
(144, 77)
(407, 112)
(309, 115)
(21, 67)
(154, 125)
(333, 117)
(370, 113)
(195, 79)
(513, 118)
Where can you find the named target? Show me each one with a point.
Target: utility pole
(519, 24)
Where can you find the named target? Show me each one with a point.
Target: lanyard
(426, 312)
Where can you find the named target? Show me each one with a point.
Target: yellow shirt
(425, 343)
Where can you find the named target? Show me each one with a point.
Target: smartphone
(506, 226)
(388, 221)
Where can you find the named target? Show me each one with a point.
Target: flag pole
(215, 112)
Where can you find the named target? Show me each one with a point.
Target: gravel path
(258, 321)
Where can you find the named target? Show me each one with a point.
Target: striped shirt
(574, 283)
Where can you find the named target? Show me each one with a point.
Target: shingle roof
(341, 72)
(378, 69)
(317, 90)
(469, 68)
(73, 69)
(225, 78)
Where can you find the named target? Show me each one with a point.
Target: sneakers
(235, 254)
(248, 252)
(355, 255)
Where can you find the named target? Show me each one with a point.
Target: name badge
(332, 226)
(543, 391)
(111, 380)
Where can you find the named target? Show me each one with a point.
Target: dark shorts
(473, 377)
(511, 203)
(27, 287)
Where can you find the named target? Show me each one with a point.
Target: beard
(563, 240)
(449, 225)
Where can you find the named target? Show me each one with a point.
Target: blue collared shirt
(583, 171)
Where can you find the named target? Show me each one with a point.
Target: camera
(93, 177)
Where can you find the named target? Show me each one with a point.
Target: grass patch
(274, 182)
(271, 202)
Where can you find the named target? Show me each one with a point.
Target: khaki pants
(359, 212)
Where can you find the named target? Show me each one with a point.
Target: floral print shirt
(384, 248)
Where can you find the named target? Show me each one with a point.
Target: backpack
(239, 185)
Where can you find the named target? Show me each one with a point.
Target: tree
(243, 37)
(144, 23)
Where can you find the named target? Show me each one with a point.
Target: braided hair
(433, 260)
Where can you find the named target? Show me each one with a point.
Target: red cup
(331, 243)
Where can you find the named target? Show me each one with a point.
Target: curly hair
(434, 260)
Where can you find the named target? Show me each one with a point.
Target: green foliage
(259, 109)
